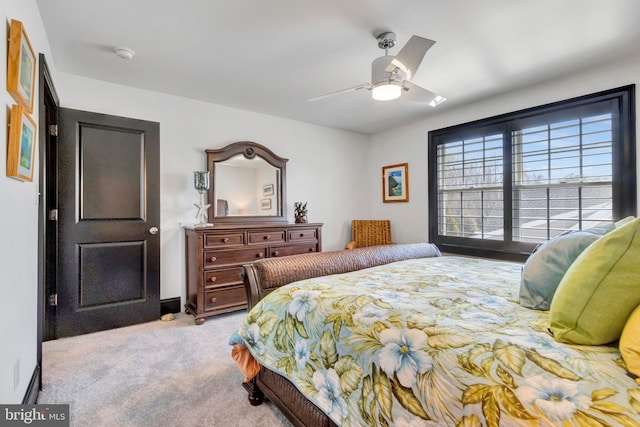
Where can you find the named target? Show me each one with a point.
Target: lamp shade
(387, 91)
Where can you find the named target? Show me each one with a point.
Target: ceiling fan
(391, 75)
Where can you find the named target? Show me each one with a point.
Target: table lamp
(201, 184)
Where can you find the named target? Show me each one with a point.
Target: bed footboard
(263, 276)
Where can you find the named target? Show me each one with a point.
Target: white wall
(322, 161)
(18, 229)
(409, 221)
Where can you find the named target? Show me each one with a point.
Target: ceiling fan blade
(410, 56)
(413, 92)
(338, 92)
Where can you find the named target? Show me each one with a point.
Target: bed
(400, 335)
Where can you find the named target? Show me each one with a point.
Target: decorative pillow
(624, 221)
(546, 266)
(630, 343)
(600, 290)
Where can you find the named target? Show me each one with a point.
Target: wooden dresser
(214, 256)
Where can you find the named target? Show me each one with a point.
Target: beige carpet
(155, 374)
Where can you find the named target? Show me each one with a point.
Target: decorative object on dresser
(300, 212)
(201, 184)
(243, 232)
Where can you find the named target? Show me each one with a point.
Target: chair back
(371, 232)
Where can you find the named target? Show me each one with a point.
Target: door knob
(153, 230)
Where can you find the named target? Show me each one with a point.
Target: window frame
(624, 183)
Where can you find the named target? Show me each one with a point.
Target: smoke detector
(124, 53)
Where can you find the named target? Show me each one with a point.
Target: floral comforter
(434, 341)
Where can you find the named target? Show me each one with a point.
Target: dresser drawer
(221, 299)
(216, 240)
(303, 234)
(266, 237)
(233, 256)
(222, 276)
(278, 251)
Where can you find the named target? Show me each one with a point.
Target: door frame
(48, 103)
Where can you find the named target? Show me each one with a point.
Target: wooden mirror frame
(250, 150)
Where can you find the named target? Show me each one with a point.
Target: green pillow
(600, 290)
(545, 267)
(624, 221)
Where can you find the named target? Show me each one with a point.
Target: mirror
(248, 184)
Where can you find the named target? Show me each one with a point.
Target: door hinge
(53, 130)
(53, 214)
(53, 300)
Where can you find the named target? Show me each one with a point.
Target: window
(470, 193)
(562, 177)
(503, 185)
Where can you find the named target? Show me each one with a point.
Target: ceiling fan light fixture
(387, 90)
(391, 75)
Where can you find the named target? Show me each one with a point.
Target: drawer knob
(226, 239)
(301, 234)
(276, 253)
(213, 278)
(213, 259)
(267, 237)
(311, 249)
(213, 299)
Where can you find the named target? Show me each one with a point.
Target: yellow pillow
(600, 290)
(630, 343)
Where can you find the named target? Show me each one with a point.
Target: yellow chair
(369, 232)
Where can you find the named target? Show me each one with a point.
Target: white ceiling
(270, 56)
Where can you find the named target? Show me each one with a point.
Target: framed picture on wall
(395, 183)
(265, 204)
(267, 190)
(21, 66)
(22, 144)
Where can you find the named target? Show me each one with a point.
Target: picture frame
(395, 183)
(267, 190)
(265, 204)
(21, 66)
(21, 145)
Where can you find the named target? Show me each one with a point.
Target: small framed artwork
(21, 66)
(265, 204)
(22, 144)
(267, 190)
(395, 183)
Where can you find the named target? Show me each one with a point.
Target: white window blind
(562, 177)
(470, 192)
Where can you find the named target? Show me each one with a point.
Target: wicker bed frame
(263, 276)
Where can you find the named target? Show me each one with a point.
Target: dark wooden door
(108, 222)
